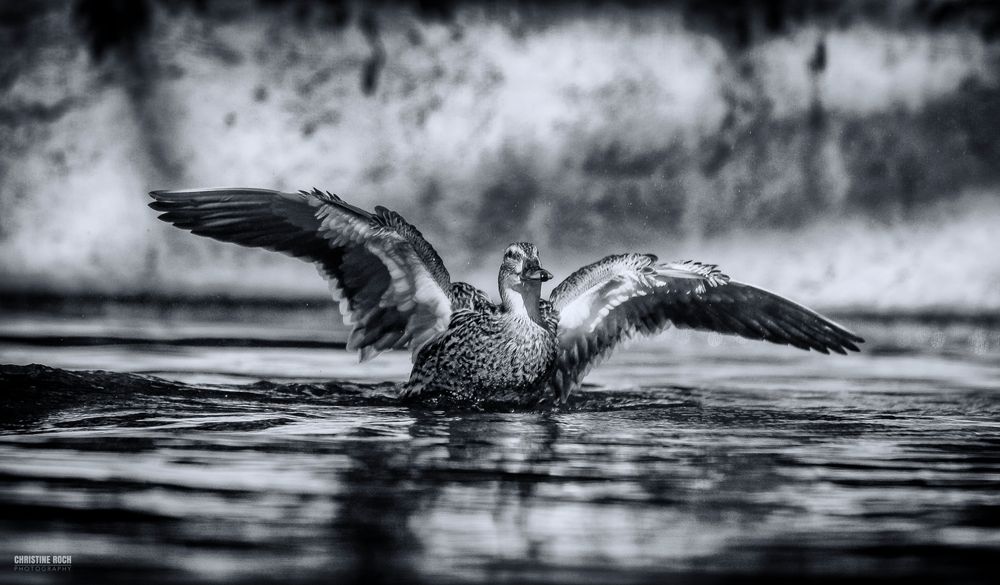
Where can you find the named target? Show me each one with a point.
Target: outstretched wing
(391, 284)
(621, 296)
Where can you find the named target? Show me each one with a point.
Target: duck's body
(493, 353)
(395, 291)
(489, 356)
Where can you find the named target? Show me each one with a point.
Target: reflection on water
(689, 458)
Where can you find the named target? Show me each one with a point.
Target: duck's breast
(485, 356)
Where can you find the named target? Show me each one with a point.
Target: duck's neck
(522, 300)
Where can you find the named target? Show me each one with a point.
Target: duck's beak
(536, 273)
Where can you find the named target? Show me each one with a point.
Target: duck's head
(520, 269)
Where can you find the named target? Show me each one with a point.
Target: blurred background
(843, 153)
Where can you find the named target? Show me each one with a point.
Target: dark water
(691, 457)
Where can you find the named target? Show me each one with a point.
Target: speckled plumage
(486, 357)
(465, 296)
(395, 292)
(493, 354)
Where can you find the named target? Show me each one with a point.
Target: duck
(395, 293)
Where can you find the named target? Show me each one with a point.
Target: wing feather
(390, 283)
(619, 297)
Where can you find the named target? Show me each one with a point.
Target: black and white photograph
(688, 291)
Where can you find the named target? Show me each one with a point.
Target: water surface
(181, 448)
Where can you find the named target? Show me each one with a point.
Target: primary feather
(621, 296)
(390, 283)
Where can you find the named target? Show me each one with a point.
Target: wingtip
(163, 193)
(852, 339)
